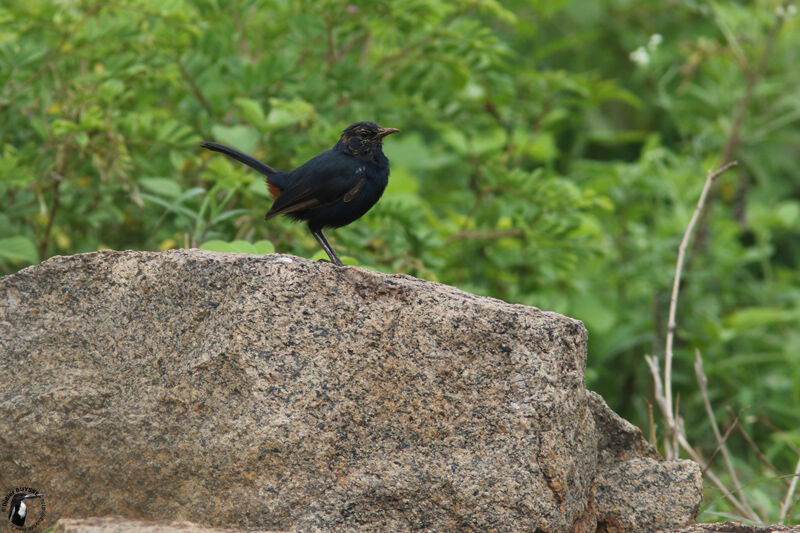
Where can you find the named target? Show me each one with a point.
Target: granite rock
(635, 490)
(734, 527)
(277, 393)
(124, 525)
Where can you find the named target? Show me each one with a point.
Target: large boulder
(277, 393)
(124, 525)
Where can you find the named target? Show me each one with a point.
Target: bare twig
(752, 71)
(330, 54)
(789, 494)
(734, 501)
(196, 90)
(761, 456)
(364, 55)
(51, 215)
(676, 433)
(791, 509)
(721, 443)
(658, 384)
(702, 381)
(788, 440)
(665, 402)
(673, 301)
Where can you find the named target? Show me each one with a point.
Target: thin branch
(330, 55)
(788, 440)
(479, 191)
(791, 509)
(669, 447)
(761, 456)
(57, 50)
(789, 494)
(51, 215)
(678, 426)
(721, 443)
(198, 93)
(752, 75)
(673, 301)
(734, 501)
(367, 44)
(702, 381)
(652, 423)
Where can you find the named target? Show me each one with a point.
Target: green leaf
(174, 205)
(161, 186)
(217, 246)
(239, 247)
(110, 89)
(320, 255)
(243, 247)
(264, 247)
(259, 187)
(19, 248)
(285, 113)
(761, 316)
(243, 138)
(251, 111)
(63, 127)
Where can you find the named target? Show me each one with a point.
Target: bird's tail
(251, 162)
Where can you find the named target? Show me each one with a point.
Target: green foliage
(551, 154)
(239, 247)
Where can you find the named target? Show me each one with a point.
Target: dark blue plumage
(332, 189)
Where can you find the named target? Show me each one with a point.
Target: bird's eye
(364, 133)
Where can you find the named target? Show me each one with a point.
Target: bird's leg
(326, 246)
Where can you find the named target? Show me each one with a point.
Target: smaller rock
(636, 490)
(733, 527)
(123, 525)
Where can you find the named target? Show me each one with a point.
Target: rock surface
(635, 490)
(123, 525)
(733, 527)
(273, 392)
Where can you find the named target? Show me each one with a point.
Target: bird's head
(22, 496)
(363, 139)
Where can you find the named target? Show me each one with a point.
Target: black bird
(332, 189)
(17, 511)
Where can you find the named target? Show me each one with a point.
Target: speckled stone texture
(635, 490)
(123, 525)
(733, 527)
(277, 393)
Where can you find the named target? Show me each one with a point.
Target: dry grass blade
(727, 434)
(760, 454)
(790, 494)
(734, 501)
(702, 381)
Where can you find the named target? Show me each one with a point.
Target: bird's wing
(349, 195)
(323, 180)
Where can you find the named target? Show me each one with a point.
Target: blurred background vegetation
(551, 153)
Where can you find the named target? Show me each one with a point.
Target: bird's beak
(383, 132)
(31, 496)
